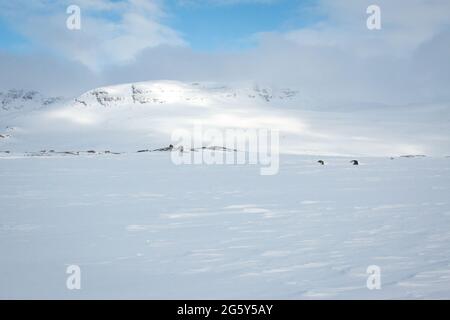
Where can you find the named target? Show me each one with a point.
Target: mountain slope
(144, 115)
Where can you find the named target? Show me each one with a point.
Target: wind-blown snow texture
(141, 227)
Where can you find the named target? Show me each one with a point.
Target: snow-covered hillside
(143, 115)
(18, 100)
(16, 105)
(175, 92)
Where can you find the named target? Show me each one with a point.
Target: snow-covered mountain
(134, 116)
(15, 100)
(15, 104)
(168, 92)
(141, 115)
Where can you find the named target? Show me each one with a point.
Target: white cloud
(111, 32)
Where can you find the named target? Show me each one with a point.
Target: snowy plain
(140, 226)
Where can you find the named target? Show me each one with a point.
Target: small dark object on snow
(321, 162)
(146, 150)
(90, 151)
(354, 162)
(169, 148)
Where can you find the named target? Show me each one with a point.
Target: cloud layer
(111, 32)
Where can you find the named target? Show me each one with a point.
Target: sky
(205, 25)
(322, 47)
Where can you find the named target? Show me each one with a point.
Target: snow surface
(141, 227)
